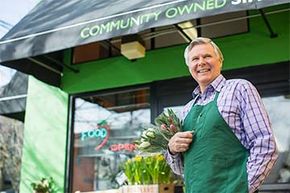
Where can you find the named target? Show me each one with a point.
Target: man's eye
(194, 59)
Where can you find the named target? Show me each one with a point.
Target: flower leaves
(147, 170)
(155, 139)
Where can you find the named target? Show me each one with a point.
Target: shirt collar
(217, 84)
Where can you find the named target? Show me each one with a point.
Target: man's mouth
(203, 70)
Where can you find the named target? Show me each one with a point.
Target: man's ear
(221, 65)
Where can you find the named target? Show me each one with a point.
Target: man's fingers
(184, 140)
(186, 134)
(180, 142)
(182, 146)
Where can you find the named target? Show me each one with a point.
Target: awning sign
(163, 14)
(72, 23)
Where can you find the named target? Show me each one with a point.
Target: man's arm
(262, 146)
(174, 159)
(177, 144)
(175, 162)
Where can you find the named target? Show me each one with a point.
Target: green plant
(147, 170)
(44, 185)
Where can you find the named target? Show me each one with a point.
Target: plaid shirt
(241, 107)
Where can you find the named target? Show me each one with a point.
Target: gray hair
(200, 41)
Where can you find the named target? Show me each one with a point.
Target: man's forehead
(202, 48)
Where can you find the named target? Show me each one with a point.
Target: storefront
(130, 109)
(81, 132)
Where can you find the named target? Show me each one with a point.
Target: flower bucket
(153, 188)
(103, 191)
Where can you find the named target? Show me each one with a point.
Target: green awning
(57, 25)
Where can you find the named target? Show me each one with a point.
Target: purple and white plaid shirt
(241, 106)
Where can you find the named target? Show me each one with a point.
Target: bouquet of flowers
(45, 185)
(156, 138)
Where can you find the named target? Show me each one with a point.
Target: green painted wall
(248, 49)
(45, 132)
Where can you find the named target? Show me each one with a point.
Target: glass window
(105, 127)
(279, 110)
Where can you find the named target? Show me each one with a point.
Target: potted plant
(148, 174)
(44, 185)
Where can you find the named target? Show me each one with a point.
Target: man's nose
(201, 61)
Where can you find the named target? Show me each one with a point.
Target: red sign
(119, 147)
(105, 140)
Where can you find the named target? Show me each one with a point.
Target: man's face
(204, 64)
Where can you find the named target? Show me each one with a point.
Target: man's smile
(203, 70)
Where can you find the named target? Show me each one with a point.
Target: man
(232, 149)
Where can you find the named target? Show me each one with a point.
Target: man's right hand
(180, 142)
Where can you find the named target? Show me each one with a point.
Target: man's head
(204, 60)
(199, 41)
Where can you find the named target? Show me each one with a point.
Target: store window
(105, 127)
(278, 108)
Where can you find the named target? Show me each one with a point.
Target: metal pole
(272, 33)
(13, 97)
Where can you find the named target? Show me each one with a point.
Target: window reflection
(105, 127)
(279, 113)
(120, 118)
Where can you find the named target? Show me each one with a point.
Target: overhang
(57, 25)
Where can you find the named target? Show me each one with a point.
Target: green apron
(216, 160)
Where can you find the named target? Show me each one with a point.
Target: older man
(232, 149)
